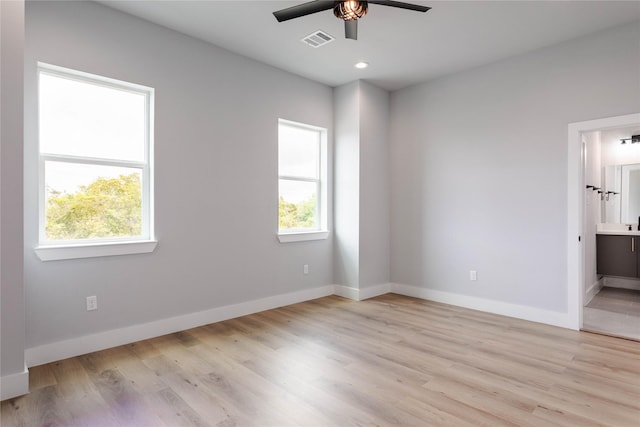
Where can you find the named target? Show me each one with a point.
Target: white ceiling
(403, 47)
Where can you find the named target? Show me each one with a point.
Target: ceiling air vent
(318, 39)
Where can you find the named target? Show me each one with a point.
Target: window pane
(297, 205)
(89, 201)
(86, 119)
(298, 152)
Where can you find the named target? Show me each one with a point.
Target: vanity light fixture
(634, 139)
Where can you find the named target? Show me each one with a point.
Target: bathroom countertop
(617, 229)
(619, 232)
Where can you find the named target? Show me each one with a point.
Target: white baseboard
(359, 294)
(620, 282)
(87, 344)
(82, 345)
(346, 292)
(374, 291)
(491, 306)
(14, 385)
(593, 290)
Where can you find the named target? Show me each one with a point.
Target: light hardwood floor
(387, 361)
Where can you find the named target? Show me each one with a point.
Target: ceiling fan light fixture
(350, 10)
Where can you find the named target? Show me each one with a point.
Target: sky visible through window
(298, 156)
(68, 177)
(86, 119)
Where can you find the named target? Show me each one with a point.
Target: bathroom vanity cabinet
(617, 255)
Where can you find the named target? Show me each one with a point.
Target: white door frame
(576, 209)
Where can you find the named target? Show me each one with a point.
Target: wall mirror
(623, 207)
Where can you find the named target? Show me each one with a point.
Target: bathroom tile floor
(614, 311)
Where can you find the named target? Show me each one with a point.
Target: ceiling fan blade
(351, 29)
(401, 5)
(302, 10)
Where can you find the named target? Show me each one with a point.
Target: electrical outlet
(92, 303)
(305, 269)
(473, 275)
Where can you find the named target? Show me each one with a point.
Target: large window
(302, 185)
(95, 140)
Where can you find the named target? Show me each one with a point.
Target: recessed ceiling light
(362, 64)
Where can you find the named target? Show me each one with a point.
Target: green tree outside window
(108, 207)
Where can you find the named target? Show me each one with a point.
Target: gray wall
(12, 337)
(347, 185)
(216, 177)
(362, 185)
(479, 167)
(374, 186)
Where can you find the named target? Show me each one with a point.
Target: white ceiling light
(361, 64)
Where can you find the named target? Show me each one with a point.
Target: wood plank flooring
(387, 361)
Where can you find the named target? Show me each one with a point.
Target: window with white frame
(95, 145)
(302, 186)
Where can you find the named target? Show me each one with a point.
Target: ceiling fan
(349, 11)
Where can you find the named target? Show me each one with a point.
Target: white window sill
(92, 250)
(303, 236)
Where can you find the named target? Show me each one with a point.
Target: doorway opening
(585, 208)
(611, 292)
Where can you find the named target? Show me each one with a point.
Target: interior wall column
(346, 185)
(361, 187)
(15, 377)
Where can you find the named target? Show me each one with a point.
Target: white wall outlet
(305, 269)
(92, 303)
(473, 275)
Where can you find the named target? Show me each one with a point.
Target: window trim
(321, 232)
(49, 250)
(91, 250)
(302, 236)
